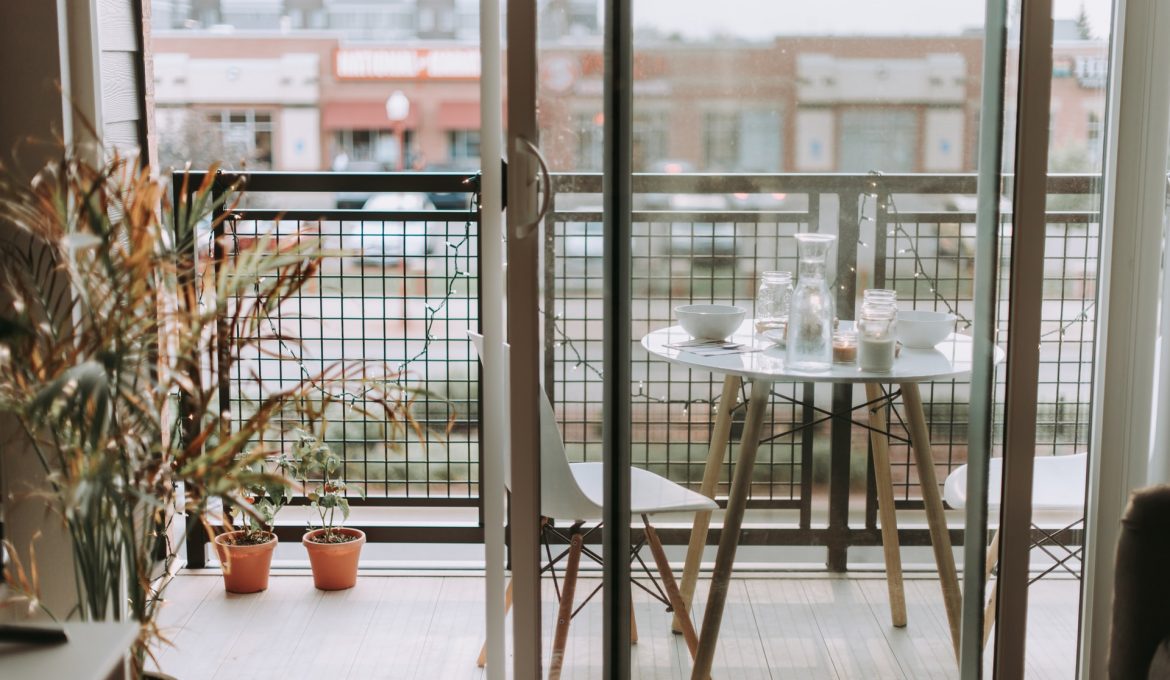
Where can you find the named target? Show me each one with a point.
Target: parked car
(350, 200)
(389, 242)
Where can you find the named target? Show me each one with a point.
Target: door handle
(523, 231)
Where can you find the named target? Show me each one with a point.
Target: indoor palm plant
(112, 333)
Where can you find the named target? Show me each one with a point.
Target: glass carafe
(810, 313)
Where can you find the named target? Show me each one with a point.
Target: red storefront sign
(393, 63)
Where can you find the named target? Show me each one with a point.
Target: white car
(387, 242)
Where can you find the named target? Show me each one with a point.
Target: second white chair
(1058, 506)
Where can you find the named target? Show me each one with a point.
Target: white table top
(94, 650)
(949, 359)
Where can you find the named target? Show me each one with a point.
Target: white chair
(1058, 505)
(574, 492)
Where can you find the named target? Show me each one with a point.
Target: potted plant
(246, 553)
(333, 549)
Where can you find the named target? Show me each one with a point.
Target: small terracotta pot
(245, 567)
(335, 565)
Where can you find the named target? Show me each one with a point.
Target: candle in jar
(844, 348)
(875, 355)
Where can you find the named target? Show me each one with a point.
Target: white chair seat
(1058, 484)
(649, 493)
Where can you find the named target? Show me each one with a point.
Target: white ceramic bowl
(709, 322)
(922, 329)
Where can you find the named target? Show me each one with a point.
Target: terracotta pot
(245, 567)
(334, 565)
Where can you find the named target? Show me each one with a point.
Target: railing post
(845, 287)
(188, 278)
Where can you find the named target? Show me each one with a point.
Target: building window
(367, 149)
(881, 139)
(720, 140)
(742, 141)
(462, 145)
(1093, 131)
(378, 21)
(246, 135)
(649, 139)
(589, 149)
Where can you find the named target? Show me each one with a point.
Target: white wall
(935, 79)
(289, 79)
(299, 131)
(944, 140)
(815, 150)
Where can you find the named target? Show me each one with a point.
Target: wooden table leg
(718, 449)
(940, 538)
(885, 491)
(741, 482)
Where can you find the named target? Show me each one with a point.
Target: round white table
(764, 366)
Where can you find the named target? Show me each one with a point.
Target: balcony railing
(401, 287)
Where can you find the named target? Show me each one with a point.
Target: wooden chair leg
(565, 613)
(682, 615)
(633, 623)
(482, 660)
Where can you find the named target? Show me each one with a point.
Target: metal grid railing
(394, 296)
(929, 261)
(716, 254)
(400, 288)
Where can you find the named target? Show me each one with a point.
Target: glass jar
(772, 301)
(810, 314)
(876, 331)
(879, 295)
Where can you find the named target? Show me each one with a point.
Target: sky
(763, 19)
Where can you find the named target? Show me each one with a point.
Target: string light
(348, 398)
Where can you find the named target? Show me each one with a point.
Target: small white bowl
(709, 322)
(918, 329)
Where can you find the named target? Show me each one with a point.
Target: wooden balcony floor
(790, 625)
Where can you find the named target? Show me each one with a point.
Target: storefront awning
(458, 116)
(364, 116)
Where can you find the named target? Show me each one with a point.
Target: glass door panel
(750, 125)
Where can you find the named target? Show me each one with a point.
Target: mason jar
(876, 332)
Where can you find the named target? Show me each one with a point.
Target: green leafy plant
(267, 492)
(318, 470)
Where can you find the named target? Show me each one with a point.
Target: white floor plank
(792, 643)
(923, 648)
(456, 632)
(212, 629)
(274, 631)
(852, 635)
(332, 643)
(181, 598)
(392, 644)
